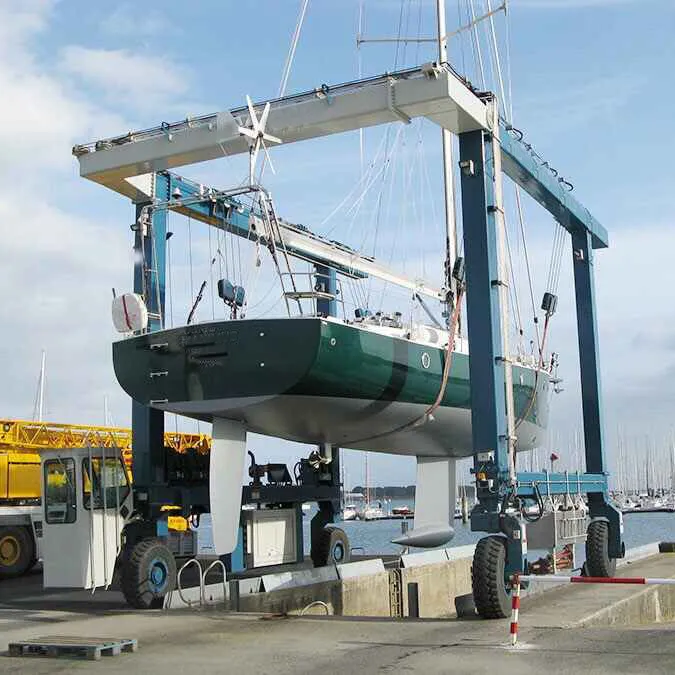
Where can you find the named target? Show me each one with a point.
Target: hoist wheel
(17, 551)
(148, 573)
(332, 548)
(598, 562)
(490, 593)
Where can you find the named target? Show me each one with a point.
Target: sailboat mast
(448, 183)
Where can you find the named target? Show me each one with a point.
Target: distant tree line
(400, 491)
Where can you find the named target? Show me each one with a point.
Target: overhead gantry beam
(427, 91)
(430, 91)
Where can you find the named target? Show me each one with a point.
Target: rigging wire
(497, 61)
(519, 208)
(476, 43)
(517, 318)
(287, 69)
(509, 80)
(169, 266)
(213, 300)
(192, 284)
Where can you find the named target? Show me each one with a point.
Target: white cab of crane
(87, 499)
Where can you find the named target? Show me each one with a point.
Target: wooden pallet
(86, 647)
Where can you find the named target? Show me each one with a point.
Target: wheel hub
(158, 575)
(338, 552)
(9, 550)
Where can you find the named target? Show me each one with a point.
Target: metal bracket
(391, 103)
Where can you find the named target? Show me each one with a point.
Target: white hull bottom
(352, 423)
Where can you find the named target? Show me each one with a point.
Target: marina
(389, 262)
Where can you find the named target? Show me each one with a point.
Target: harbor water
(372, 537)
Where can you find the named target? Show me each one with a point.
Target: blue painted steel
(536, 179)
(560, 483)
(591, 392)
(233, 216)
(326, 278)
(486, 368)
(147, 424)
(584, 288)
(488, 409)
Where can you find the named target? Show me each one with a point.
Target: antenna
(38, 406)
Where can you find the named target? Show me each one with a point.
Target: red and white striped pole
(515, 606)
(645, 581)
(515, 593)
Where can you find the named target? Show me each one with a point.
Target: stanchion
(558, 578)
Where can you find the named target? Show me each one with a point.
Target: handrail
(190, 603)
(215, 563)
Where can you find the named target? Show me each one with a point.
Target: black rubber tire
(598, 562)
(487, 578)
(17, 551)
(332, 548)
(138, 563)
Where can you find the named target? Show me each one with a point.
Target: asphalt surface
(211, 641)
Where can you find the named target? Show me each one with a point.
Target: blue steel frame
(147, 424)
(488, 405)
(148, 462)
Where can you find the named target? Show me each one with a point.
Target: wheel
(332, 548)
(598, 562)
(148, 573)
(490, 593)
(17, 551)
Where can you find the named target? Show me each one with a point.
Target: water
(375, 536)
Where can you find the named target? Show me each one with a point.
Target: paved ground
(215, 642)
(218, 643)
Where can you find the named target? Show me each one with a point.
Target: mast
(448, 183)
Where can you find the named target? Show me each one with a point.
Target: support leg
(584, 286)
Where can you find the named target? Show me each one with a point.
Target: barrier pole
(515, 606)
(558, 578)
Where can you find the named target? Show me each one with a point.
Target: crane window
(60, 494)
(106, 483)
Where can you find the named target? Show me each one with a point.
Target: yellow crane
(21, 442)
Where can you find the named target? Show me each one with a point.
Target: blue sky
(592, 88)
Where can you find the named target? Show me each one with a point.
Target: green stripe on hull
(310, 380)
(358, 363)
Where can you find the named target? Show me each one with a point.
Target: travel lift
(138, 166)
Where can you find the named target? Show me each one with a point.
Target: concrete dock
(571, 629)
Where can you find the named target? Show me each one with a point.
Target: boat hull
(316, 381)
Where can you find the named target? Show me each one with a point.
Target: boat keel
(228, 454)
(434, 504)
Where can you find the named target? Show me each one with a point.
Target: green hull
(317, 381)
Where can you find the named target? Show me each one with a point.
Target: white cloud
(127, 21)
(135, 81)
(58, 270)
(57, 266)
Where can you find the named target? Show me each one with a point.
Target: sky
(592, 88)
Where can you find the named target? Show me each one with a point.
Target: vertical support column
(326, 279)
(584, 288)
(148, 463)
(486, 363)
(591, 395)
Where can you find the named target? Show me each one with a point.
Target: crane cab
(87, 499)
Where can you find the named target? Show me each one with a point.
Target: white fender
(226, 467)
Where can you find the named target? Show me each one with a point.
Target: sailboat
(367, 382)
